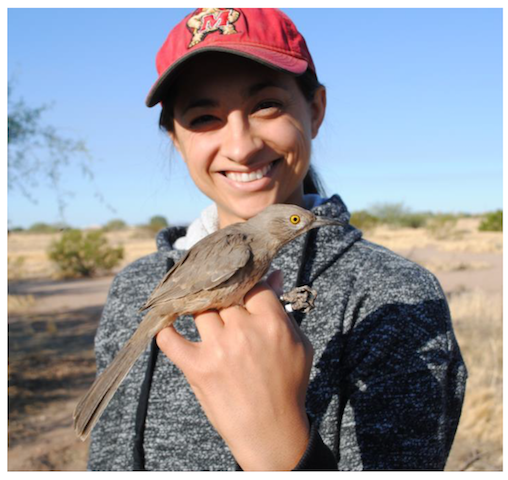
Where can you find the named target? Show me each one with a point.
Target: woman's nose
(240, 143)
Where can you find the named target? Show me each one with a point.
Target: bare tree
(38, 153)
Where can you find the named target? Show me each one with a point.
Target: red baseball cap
(265, 35)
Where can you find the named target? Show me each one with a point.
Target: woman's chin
(243, 210)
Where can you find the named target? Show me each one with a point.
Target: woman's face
(244, 131)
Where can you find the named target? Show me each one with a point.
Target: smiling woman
(383, 384)
(244, 132)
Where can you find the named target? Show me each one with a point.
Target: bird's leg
(299, 299)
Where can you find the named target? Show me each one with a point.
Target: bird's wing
(209, 263)
(151, 300)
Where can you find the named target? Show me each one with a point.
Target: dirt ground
(51, 363)
(52, 324)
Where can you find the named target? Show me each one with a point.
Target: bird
(215, 273)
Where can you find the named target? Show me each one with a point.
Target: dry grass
(477, 319)
(454, 266)
(19, 303)
(463, 237)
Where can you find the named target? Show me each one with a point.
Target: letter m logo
(210, 20)
(213, 22)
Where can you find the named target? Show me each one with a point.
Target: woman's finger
(260, 301)
(233, 314)
(209, 324)
(262, 298)
(176, 347)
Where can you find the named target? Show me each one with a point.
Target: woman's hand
(250, 373)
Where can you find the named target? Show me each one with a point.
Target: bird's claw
(299, 299)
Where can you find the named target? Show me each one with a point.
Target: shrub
(363, 220)
(396, 215)
(156, 223)
(116, 224)
(414, 220)
(492, 222)
(84, 255)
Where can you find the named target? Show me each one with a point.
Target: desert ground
(52, 323)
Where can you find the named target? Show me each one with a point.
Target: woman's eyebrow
(257, 87)
(200, 102)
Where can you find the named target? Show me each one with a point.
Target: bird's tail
(90, 407)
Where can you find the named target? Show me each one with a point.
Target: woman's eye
(201, 120)
(268, 105)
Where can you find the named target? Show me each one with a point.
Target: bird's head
(284, 223)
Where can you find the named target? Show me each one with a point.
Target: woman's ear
(318, 109)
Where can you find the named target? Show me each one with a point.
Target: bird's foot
(299, 299)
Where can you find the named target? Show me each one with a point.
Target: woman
(372, 378)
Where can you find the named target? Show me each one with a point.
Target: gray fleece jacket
(387, 383)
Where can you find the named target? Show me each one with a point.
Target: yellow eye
(294, 219)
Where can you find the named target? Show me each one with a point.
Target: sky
(414, 113)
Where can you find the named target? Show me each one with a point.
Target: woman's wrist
(278, 445)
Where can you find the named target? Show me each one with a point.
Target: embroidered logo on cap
(210, 20)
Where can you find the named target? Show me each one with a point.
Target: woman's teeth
(249, 177)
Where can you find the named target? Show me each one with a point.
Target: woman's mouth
(253, 181)
(242, 177)
(248, 177)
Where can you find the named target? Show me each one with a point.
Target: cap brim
(270, 58)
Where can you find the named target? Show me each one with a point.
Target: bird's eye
(294, 219)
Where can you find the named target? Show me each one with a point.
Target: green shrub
(113, 225)
(363, 220)
(414, 220)
(84, 255)
(492, 222)
(156, 223)
(397, 215)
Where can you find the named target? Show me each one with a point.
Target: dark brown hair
(308, 84)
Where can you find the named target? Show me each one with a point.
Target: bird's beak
(322, 222)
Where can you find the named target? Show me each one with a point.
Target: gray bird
(215, 273)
